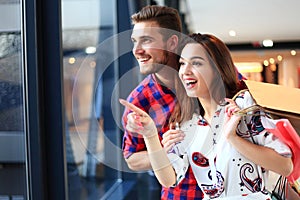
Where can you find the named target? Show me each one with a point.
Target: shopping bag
(283, 129)
(277, 100)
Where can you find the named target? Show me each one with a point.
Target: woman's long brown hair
(226, 83)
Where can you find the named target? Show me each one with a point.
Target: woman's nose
(186, 69)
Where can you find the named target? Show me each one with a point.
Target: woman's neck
(210, 107)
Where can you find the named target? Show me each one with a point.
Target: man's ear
(172, 43)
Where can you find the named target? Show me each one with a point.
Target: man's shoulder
(143, 88)
(148, 82)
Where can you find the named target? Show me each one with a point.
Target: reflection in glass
(82, 26)
(12, 143)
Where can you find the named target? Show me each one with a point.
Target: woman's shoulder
(189, 123)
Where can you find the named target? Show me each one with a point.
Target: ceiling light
(268, 43)
(293, 52)
(279, 58)
(93, 64)
(90, 50)
(272, 60)
(266, 62)
(72, 60)
(232, 33)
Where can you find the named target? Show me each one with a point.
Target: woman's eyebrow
(197, 57)
(194, 57)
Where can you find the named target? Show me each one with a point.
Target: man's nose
(138, 49)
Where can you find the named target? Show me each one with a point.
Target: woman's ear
(172, 43)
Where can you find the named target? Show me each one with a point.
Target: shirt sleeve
(157, 102)
(132, 142)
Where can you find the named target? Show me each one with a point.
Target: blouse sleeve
(178, 155)
(180, 164)
(253, 124)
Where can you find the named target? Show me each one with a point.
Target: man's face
(149, 48)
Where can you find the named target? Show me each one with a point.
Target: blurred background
(64, 64)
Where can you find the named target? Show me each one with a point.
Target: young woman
(230, 155)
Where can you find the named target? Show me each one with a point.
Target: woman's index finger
(132, 107)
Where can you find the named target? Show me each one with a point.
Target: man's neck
(167, 77)
(166, 80)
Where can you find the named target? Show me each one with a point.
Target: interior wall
(289, 73)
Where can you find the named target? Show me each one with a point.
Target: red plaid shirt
(159, 102)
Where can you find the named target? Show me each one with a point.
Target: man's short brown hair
(165, 17)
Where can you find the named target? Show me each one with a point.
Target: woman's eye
(196, 63)
(181, 64)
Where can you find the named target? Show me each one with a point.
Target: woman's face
(195, 70)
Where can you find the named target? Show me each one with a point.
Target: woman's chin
(191, 94)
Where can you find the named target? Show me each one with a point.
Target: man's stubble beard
(157, 66)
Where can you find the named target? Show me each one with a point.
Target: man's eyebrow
(143, 37)
(147, 37)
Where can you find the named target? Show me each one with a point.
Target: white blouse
(220, 170)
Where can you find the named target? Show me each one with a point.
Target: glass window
(12, 143)
(88, 65)
(98, 69)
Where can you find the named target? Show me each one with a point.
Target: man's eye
(146, 41)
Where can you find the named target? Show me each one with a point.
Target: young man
(155, 36)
